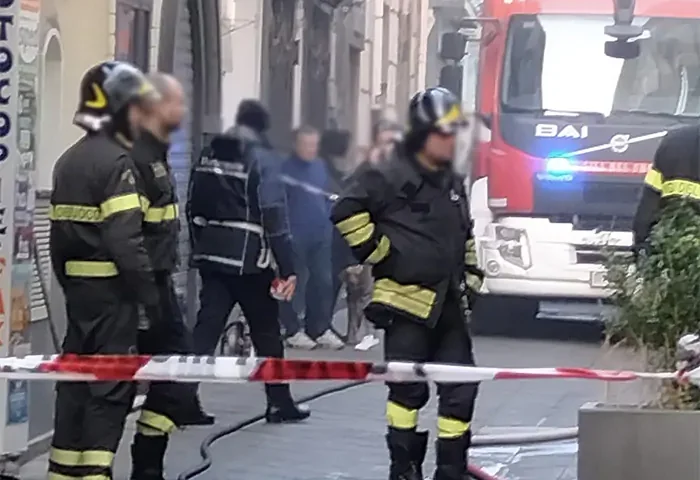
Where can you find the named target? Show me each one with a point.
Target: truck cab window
(555, 63)
(524, 64)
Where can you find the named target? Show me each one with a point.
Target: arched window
(133, 32)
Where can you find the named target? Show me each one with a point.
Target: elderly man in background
(307, 181)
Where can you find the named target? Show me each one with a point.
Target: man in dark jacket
(238, 222)
(169, 405)
(100, 260)
(409, 218)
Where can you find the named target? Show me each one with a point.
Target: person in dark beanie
(238, 221)
(253, 114)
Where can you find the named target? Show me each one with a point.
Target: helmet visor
(452, 121)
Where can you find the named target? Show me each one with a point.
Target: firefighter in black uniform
(100, 260)
(675, 173)
(238, 221)
(408, 216)
(168, 405)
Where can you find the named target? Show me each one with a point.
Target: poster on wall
(22, 204)
(17, 402)
(9, 77)
(20, 309)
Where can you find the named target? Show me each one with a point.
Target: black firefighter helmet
(435, 109)
(106, 89)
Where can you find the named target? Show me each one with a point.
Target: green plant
(657, 295)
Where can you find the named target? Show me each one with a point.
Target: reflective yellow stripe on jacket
(358, 230)
(681, 188)
(158, 214)
(412, 299)
(93, 269)
(471, 262)
(90, 214)
(673, 187)
(161, 214)
(654, 179)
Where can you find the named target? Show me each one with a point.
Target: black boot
(192, 414)
(281, 407)
(407, 451)
(147, 455)
(451, 458)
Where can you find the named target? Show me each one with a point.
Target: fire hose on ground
(547, 435)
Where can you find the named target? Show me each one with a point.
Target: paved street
(344, 438)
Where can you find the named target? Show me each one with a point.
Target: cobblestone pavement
(344, 437)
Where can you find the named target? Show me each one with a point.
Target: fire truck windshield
(556, 64)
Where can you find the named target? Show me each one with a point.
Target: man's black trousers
(167, 403)
(89, 418)
(220, 293)
(448, 342)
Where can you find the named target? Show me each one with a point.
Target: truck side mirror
(453, 46)
(624, 33)
(624, 11)
(622, 49)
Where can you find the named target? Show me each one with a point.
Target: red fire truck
(575, 96)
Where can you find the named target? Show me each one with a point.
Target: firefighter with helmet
(168, 405)
(674, 174)
(409, 218)
(99, 257)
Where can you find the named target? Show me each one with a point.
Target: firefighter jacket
(414, 227)
(159, 201)
(96, 222)
(237, 209)
(675, 173)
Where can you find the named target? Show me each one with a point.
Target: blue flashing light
(559, 166)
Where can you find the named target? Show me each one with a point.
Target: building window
(133, 32)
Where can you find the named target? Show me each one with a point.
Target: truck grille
(594, 255)
(607, 223)
(611, 192)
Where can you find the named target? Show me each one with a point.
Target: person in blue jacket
(307, 322)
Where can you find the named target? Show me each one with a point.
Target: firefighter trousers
(448, 342)
(220, 293)
(167, 404)
(89, 416)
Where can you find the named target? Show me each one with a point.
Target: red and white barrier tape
(240, 369)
